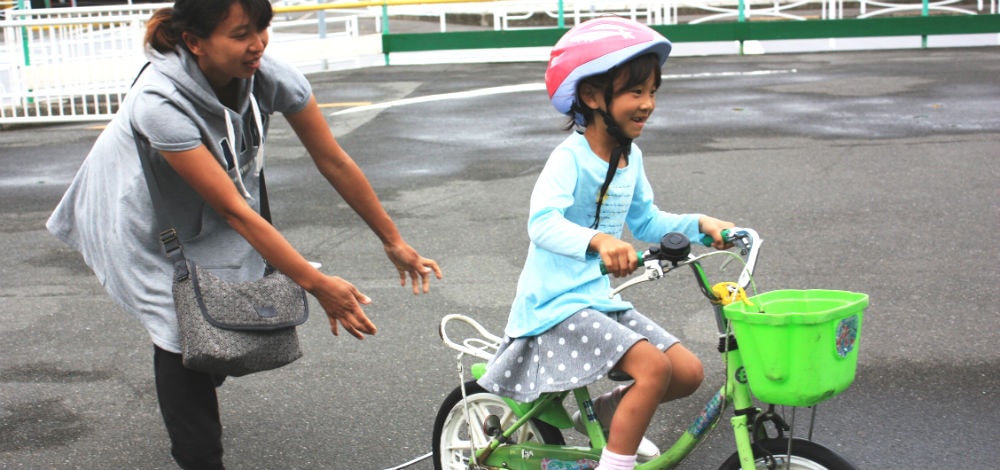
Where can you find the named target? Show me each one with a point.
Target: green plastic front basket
(799, 347)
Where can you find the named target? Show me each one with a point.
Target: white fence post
(69, 64)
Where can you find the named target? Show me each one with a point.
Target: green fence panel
(707, 32)
(413, 42)
(821, 29)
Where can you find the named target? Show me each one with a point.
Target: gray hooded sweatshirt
(107, 212)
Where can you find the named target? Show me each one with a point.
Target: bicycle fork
(748, 421)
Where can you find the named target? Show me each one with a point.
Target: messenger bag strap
(168, 236)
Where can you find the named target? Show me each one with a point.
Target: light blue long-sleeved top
(560, 276)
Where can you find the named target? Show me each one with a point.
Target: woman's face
(232, 51)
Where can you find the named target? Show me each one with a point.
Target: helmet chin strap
(624, 143)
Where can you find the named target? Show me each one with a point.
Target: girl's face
(232, 51)
(631, 107)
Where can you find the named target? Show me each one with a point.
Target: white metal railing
(507, 15)
(75, 64)
(718, 11)
(68, 64)
(889, 8)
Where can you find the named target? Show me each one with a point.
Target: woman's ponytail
(160, 33)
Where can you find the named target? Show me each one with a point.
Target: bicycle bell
(675, 247)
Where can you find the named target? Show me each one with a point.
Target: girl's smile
(639, 123)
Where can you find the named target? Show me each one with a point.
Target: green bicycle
(794, 348)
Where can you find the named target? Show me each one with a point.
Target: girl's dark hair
(636, 71)
(200, 18)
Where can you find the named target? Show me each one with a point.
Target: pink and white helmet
(593, 48)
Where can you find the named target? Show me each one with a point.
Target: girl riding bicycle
(563, 331)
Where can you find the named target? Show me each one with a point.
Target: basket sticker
(847, 335)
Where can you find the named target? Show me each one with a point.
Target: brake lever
(749, 245)
(653, 272)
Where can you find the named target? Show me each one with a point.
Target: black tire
(453, 436)
(805, 455)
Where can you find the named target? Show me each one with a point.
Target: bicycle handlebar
(705, 240)
(675, 251)
(639, 254)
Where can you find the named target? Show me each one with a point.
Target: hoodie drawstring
(258, 157)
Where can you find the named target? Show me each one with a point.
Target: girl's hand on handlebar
(342, 303)
(713, 227)
(618, 256)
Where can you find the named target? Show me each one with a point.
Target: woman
(199, 114)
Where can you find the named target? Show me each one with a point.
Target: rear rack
(483, 347)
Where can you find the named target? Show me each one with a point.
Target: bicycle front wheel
(804, 455)
(458, 427)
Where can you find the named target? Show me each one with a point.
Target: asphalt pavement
(874, 172)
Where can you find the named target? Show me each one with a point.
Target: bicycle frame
(501, 453)
(531, 455)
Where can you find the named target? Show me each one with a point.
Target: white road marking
(534, 87)
(407, 464)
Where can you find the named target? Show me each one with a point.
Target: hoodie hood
(180, 67)
(233, 136)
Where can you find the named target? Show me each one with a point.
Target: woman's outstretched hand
(342, 303)
(411, 265)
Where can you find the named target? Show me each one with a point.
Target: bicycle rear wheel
(805, 455)
(454, 436)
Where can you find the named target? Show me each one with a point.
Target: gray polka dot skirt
(577, 352)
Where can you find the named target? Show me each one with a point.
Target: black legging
(190, 411)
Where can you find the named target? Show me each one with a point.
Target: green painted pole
(385, 26)
(926, 11)
(24, 46)
(24, 38)
(562, 16)
(742, 18)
